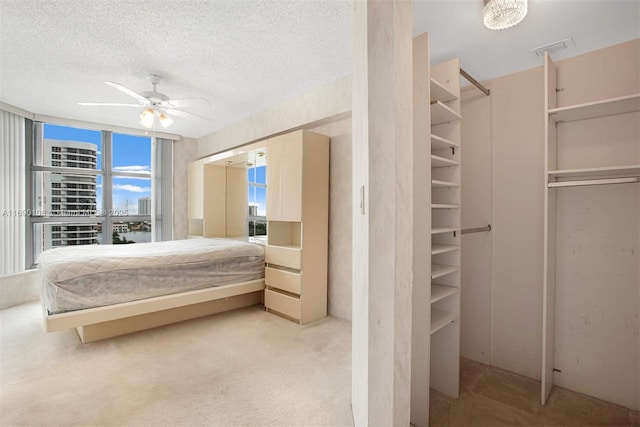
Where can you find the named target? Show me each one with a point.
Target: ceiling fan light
(165, 120)
(502, 14)
(146, 118)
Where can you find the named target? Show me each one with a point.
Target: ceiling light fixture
(148, 115)
(165, 120)
(501, 14)
(146, 118)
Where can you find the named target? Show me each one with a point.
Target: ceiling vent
(554, 47)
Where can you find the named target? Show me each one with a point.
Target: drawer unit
(282, 303)
(285, 256)
(281, 279)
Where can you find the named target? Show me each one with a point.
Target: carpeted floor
(245, 367)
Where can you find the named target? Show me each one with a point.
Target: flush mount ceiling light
(501, 14)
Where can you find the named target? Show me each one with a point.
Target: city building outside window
(257, 181)
(89, 187)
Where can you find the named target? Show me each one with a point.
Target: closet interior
(591, 232)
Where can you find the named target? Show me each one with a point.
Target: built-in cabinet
(217, 200)
(437, 225)
(591, 239)
(297, 218)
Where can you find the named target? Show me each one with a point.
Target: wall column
(382, 217)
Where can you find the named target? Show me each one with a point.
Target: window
(257, 181)
(87, 187)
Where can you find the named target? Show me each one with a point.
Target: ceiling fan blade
(127, 91)
(181, 113)
(180, 103)
(107, 104)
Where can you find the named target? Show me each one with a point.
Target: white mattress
(79, 277)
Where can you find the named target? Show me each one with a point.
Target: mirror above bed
(227, 194)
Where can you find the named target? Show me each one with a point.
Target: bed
(110, 290)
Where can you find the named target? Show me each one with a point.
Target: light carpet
(245, 367)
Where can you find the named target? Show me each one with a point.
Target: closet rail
(594, 182)
(474, 82)
(476, 230)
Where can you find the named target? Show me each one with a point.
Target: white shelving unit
(440, 319)
(436, 183)
(437, 254)
(602, 161)
(442, 113)
(441, 249)
(439, 143)
(439, 292)
(591, 110)
(438, 270)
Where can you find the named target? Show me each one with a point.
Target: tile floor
(493, 397)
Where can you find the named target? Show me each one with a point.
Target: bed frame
(95, 324)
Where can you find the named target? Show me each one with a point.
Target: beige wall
(339, 288)
(475, 298)
(517, 193)
(325, 104)
(382, 229)
(184, 152)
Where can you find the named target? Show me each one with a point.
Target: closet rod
(476, 230)
(473, 81)
(594, 182)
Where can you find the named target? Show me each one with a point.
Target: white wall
(16, 289)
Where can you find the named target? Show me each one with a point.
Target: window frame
(110, 215)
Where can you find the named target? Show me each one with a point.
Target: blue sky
(257, 195)
(133, 154)
(130, 154)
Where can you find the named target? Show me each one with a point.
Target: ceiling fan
(153, 102)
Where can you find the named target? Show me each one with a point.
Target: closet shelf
(439, 92)
(444, 206)
(600, 172)
(437, 249)
(439, 292)
(590, 110)
(439, 270)
(440, 230)
(600, 181)
(443, 184)
(440, 319)
(440, 113)
(442, 162)
(439, 143)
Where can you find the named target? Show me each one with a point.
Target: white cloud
(146, 178)
(132, 168)
(131, 188)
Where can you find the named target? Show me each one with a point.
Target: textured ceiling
(247, 56)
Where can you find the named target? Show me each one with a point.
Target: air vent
(554, 47)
